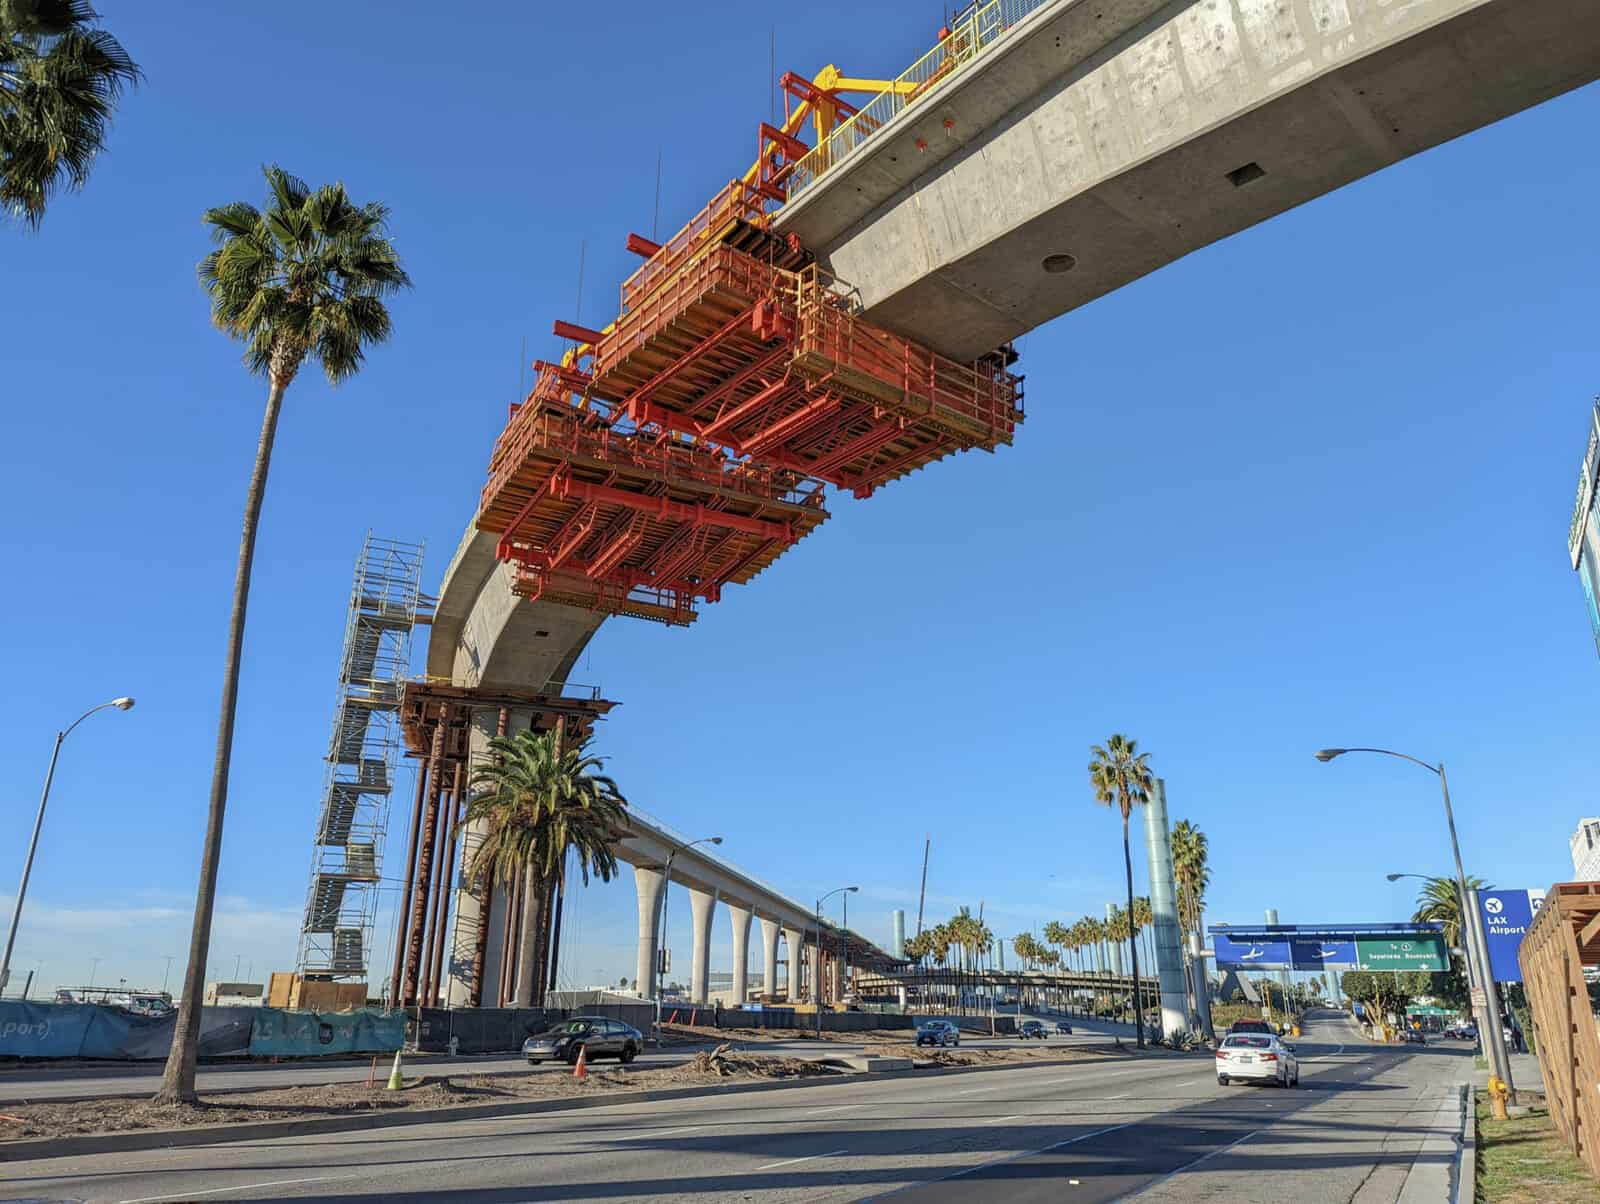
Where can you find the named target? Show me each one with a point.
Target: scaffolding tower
(363, 752)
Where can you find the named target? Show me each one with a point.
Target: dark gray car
(602, 1037)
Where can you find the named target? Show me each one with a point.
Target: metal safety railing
(972, 34)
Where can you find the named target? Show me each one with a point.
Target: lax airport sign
(1357, 947)
(1506, 916)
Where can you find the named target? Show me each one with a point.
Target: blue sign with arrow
(1242, 955)
(1506, 916)
(1313, 955)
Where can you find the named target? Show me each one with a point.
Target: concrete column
(769, 962)
(1115, 946)
(836, 977)
(1164, 911)
(468, 904)
(703, 905)
(795, 940)
(741, 952)
(647, 885)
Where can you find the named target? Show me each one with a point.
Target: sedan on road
(1063, 1028)
(1257, 1058)
(601, 1037)
(938, 1032)
(1030, 1029)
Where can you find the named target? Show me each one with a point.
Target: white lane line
(835, 1108)
(983, 1090)
(657, 1133)
(772, 1166)
(216, 1191)
(1203, 1158)
(983, 1166)
(1000, 1120)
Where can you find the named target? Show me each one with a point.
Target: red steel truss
(631, 522)
(773, 366)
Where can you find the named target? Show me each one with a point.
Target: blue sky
(1308, 486)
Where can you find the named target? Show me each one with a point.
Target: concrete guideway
(1127, 133)
(1158, 1124)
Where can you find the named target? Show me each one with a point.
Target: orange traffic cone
(581, 1070)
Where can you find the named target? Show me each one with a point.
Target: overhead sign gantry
(1341, 946)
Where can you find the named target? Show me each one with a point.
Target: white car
(1256, 1058)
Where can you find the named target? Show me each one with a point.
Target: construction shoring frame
(1563, 938)
(436, 719)
(363, 755)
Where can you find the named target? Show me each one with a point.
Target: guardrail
(971, 35)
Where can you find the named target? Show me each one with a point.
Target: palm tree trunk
(177, 1081)
(1133, 945)
(527, 951)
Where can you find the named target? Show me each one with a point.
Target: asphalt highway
(1157, 1128)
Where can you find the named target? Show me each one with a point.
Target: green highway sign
(1427, 1009)
(1421, 952)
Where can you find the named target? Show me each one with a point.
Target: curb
(201, 1135)
(1466, 1176)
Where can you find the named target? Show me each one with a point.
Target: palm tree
(1144, 924)
(1120, 777)
(1440, 903)
(1190, 849)
(303, 281)
(535, 801)
(59, 81)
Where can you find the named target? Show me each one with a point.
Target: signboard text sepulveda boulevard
(1356, 947)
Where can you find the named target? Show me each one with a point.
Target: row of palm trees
(963, 943)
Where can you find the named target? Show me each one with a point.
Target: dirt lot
(343, 1099)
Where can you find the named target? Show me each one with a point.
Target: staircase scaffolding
(363, 752)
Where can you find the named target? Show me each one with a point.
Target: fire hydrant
(1498, 1091)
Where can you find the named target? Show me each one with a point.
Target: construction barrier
(90, 1030)
(280, 1033)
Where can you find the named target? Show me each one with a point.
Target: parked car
(1257, 1057)
(1029, 1029)
(1063, 1028)
(1251, 1026)
(601, 1037)
(938, 1032)
(1413, 1036)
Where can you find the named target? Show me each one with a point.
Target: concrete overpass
(1093, 142)
(1098, 140)
(484, 636)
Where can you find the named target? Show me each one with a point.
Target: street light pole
(121, 704)
(661, 944)
(816, 970)
(1476, 946)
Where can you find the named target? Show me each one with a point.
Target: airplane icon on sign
(1254, 954)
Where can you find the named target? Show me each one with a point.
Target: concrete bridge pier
(741, 952)
(703, 904)
(796, 942)
(769, 961)
(647, 885)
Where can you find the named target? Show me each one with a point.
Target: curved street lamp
(838, 890)
(1476, 946)
(121, 704)
(661, 944)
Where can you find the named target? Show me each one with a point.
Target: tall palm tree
(1190, 850)
(306, 280)
(1144, 924)
(59, 81)
(1438, 902)
(535, 802)
(1120, 776)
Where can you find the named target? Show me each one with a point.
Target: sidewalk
(1525, 1073)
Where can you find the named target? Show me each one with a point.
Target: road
(59, 1082)
(1157, 1129)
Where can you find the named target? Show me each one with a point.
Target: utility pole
(922, 894)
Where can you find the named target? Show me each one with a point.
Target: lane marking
(969, 1170)
(216, 1191)
(835, 1108)
(1203, 1157)
(772, 1166)
(1000, 1120)
(658, 1133)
